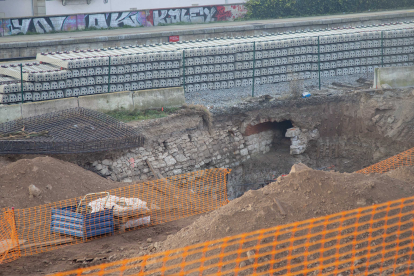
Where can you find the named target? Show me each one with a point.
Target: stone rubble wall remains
(227, 147)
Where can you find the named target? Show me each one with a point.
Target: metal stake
(109, 75)
(184, 70)
(319, 63)
(254, 61)
(382, 48)
(21, 79)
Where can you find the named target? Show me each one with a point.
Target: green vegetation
(139, 115)
(263, 9)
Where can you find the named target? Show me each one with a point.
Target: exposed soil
(356, 131)
(57, 180)
(303, 195)
(98, 251)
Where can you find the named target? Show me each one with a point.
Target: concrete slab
(396, 77)
(157, 98)
(107, 102)
(10, 112)
(39, 108)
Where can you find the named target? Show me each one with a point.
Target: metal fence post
(109, 75)
(319, 63)
(15, 234)
(382, 48)
(254, 65)
(184, 70)
(21, 80)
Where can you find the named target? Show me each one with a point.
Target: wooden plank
(282, 211)
(154, 172)
(132, 213)
(47, 243)
(6, 245)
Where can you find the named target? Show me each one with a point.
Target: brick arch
(268, 125)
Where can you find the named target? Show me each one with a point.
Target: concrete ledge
(10, 112)
(157, 98)
(396, 77)
(145, 99)
(39, 108)
(107, 102)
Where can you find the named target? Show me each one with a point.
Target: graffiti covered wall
(148, 18)
(204, 14)
(72, 22)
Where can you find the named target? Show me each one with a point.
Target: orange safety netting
(402, 159)
(9, 243)
(47, 227)
(376, 240)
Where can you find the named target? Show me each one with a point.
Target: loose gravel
(223, 98)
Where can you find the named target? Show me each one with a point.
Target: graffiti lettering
(191, 15)
(146, 18)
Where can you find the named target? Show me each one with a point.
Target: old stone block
(169, 160)
(292, 132)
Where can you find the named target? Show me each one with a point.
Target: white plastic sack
(119, 204)
(137, 222)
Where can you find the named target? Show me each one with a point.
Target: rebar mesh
(76, 130)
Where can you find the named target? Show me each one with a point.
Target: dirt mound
(56, 179)
(304, 194)
(404, 173)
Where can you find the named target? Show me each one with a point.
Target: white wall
(55, 7)
(16, 8)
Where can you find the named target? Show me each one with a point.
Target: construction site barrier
(402, 159)
(47, 227)
(9, 243)
(375, 240)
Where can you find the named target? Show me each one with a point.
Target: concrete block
(396, 77)
(157, 98)
(10, 112)
(292, 132)
(107, 102)
(39, 108)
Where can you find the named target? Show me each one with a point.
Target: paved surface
(192, 27)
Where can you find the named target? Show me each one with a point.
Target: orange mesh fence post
(47, 227)
(375, 240)
(9, 241)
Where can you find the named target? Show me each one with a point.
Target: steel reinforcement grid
(76, 130)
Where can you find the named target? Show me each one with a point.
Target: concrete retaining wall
(10, 112)
(396, 77)
(146, 99)
(171, 97)
(108, 102)
(39, 108)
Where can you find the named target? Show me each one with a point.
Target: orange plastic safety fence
(376, 240)
(405, 158)
(9, 243)
(47, 227)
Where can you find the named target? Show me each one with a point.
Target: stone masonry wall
(186, 151)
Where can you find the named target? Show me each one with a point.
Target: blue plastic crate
(83, 225)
